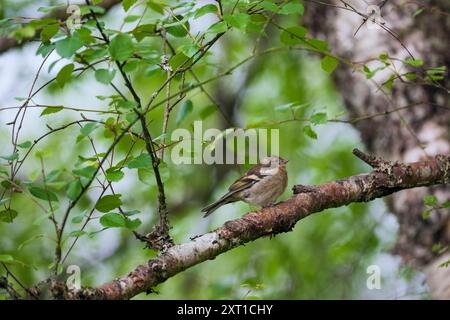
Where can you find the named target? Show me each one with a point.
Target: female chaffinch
(260, 186)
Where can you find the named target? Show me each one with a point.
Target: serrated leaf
(112, 220)
(145, 175)
(121, 47)
(48, 32)
(114, 175)
(86, 172)
(104, 76)
(141, 161)
(67, 47)
(108, 203)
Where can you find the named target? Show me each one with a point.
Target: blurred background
(326, 256)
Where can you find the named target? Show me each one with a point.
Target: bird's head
(273, 162)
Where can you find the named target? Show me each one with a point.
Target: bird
(260, 186)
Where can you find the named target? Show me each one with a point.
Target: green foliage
(121, 47)
(263, 70)
(185, 109)
(108, 203)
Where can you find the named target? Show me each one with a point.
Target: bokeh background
(326, 256)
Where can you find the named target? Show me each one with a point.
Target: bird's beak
(284, 161)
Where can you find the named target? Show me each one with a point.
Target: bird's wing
(251, 177)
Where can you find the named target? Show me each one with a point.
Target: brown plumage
(261, 185)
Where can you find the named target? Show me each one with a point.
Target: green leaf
(78, 219)
(108, 203)
(113, 220)
(131, 18)
(67, 47)
(293, 35)
(104, 76)
(319, 118)
(11, 157)
(77, 233)
(414, 62)
(209, 8)
(446, 204)
(88, 128)
(86, 172)
(121, 47)
(125, 104)
(5, 258)
(116, 220)
(144, 30)
(141, 161)
(73, 189)
(237, 20)
(179, 30)
(133, 224)
(130, 66)
(42, 193)
(186, 108)
(329, 64)
(114, 174)
(430, 200)
(127, 4)
(8, 215)
(309, 132)
(426, 214)
(317, 44)
(50, 110)
(48, 32)
(25, 145)
(64, 75)
(219, 27)
(145, 175)
(291, 8)
(269, 6)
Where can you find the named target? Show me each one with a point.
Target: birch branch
(386, 178)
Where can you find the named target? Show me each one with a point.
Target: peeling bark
(386, 178)
(412, 134)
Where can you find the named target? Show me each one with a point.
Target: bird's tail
(216, 205)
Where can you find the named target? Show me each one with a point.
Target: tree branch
(384, 180)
